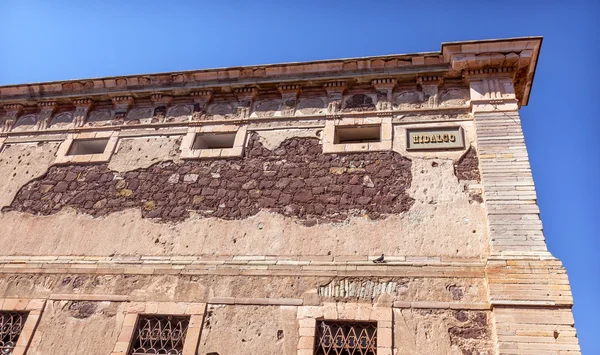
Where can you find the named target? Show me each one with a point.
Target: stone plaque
(435, 138)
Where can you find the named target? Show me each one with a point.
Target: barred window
(11, 325)
(159, 335)
(346, 338)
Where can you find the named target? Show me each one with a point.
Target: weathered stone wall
(78, 328)
(241, 330)
(434, 331)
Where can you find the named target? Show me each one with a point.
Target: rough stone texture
(295, 179)
(77, 328)
(467, 167)
(242, 330)
(273, 139)
(138, 153)
(452, 332)
(194, 288)
(20, 163)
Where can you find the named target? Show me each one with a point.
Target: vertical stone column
(13, 111)
(47, 110)
(82, 109)
(528, 288)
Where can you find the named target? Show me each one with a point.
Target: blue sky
(58, 40)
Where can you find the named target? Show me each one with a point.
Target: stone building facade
(245, 211)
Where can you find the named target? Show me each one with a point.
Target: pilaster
(335, 93)
(289, 97)
(528, 288)
(385, 88)
(122, 105)
(201, 101)
(160, 103)
(82, 109)
(47, 109)
(245, 97)
(13, 111)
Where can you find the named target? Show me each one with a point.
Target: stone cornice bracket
(430, 86)
(201, 100)
(519, 53)
(492, 89)
(161, 100)
(245, 98)
(82, 109)
(47, 109)
(12, 114)
(122, 105)
(289, 98)
(335, 92)
(384, 88)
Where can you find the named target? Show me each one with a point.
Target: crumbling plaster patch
(242, 330)
(271, 139)
(20, 163)
(137, 153)
(77, 328)
(451, 332)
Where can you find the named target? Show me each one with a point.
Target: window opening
(214, 140)
(346, 338)
(11, 325)
(88, 146)
(357, 134)
(159, 335)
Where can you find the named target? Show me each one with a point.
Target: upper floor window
(346, 338)
(11, 325)
(155, 334)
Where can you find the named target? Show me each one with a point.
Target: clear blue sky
(57, 40)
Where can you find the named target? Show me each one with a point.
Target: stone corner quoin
(382, 204)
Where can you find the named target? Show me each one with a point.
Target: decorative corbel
(384, 88)
(160, 103)
(335, 92)
(289, 97)
(122, 105)
(491, 88)
(201, 101)
(245, 97)
(430, 86)
(47, 109)
(82, 109)
(13, 111)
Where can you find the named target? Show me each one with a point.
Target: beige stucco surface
(20, 163)
(242, 330)
(77, 328)
(442, 221)
(135, 153)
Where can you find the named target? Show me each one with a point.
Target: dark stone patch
(467, 167)
(359, 102)
(82, 309)
(456, 292)
(295, 179)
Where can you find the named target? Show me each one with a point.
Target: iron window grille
(346, 338)
(11, 325)
(159, 335)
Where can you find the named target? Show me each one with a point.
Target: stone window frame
(62, 156)
(384, 144)
(33, 307)
(307, 317)
(187, 152)
(133, 310)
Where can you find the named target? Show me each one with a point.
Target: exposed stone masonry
(467, 167)
(295, 179)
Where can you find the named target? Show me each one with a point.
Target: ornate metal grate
(11, 325)
(159, 335)
(346, 338)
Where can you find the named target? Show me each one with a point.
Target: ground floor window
(155, 334)
(11, 325)
(345, 338)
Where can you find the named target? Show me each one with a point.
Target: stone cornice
(454, 58)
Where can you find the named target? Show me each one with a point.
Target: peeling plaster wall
(77, 328)
(242, 330)
(448, 332)
(136, 153)
(443, 220)
(21, 163)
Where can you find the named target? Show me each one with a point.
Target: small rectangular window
(345, 338)
(11, 325)
(357, 134)
(155, 334)
(214, 140)
(88, 146)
